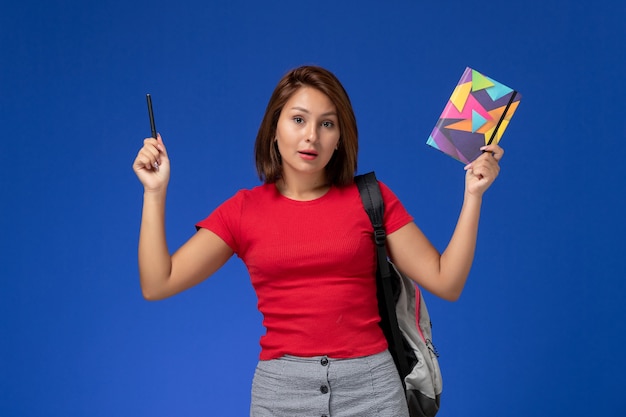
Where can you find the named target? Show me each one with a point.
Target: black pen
(152, 125)
(151, 114)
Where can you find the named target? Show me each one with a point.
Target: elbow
(153, 288)
(148, 296)
(452, 287)
(451, 294)
(151, 295)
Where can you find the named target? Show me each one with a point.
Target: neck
(303, 188)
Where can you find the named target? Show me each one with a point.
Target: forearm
(154, 258)
(456, 260)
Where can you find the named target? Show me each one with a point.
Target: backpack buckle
(380, 236)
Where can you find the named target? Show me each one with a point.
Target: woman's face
(307, 132)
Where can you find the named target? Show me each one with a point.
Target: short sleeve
(225, 221)
(395, 215)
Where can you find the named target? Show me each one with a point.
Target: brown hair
(342, 166)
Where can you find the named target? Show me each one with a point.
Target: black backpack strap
(374, 206)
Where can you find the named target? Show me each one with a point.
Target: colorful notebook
(476, 115)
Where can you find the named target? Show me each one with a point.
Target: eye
(298, 119)
(328, 123)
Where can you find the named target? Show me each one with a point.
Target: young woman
(307, 243)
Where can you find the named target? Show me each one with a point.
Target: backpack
(404, 317)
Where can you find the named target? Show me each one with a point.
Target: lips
(309, 154)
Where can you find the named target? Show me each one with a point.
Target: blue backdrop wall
(540, 328)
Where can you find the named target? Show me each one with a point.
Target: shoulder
(228, 215)
(395, 214)
(254, 193)
(384, 188)
(387, 193)
(235, 205)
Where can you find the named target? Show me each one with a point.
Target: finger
(148, 157)
(151, 148)
(479, 159)
(487, 160)
(142, 162)
(495, 150)
(486, 169)
(161, 145)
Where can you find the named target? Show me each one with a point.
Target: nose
(312, 133)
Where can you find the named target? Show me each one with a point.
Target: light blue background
(540, 328)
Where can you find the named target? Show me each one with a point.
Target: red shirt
(312, 265)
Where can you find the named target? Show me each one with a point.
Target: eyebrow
(302, 109)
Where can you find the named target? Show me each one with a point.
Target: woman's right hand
(152, 165)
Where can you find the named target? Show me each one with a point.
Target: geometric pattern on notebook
(478, 112)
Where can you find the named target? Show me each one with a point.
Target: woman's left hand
(482, 172)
